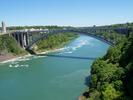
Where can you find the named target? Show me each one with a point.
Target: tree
(110, 93)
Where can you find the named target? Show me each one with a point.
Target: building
(3, 27)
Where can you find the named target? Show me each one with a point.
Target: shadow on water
(70, 57)
(87, 80)
(87, 83)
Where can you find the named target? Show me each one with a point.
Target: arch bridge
(27, 38)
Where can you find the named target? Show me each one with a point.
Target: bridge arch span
(47, 34)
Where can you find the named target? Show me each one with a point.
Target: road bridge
(27, 38)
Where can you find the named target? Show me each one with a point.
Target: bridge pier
(21, 38)
(27, 39)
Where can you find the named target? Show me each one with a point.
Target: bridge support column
(27, 39)
(22, 40)
(18, 39)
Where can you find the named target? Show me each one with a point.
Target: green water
(51, 78)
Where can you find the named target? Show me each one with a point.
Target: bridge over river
(27, 38)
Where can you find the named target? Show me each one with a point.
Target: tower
(3, 27)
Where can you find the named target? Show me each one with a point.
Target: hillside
(112, 76)
(9, 47)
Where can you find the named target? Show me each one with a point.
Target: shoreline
(10, 58)
(14, 58)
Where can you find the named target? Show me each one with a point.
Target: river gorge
(60, 75)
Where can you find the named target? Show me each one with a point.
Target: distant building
(3, 27)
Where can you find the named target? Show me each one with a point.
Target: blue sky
(66, 12)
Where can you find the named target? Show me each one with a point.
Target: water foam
(75, 46)
(16, 65)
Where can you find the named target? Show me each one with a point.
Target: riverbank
(4, 58)
(52, 44)
(10, 58)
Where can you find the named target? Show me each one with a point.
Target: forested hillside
(112, 76)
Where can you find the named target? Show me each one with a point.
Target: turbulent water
(62, 75)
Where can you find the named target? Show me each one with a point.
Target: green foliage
(112, 75)
(127, 51)
(9, 45)
(94, 95)
(113, 54)
(109, 34)
(118, 85)
(104, 71)
(94, 80)
(110, 93)
(55, 41)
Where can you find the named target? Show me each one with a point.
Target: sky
(65, 12)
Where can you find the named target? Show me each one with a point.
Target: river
(61, 75)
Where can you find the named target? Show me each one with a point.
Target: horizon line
(66, 25)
